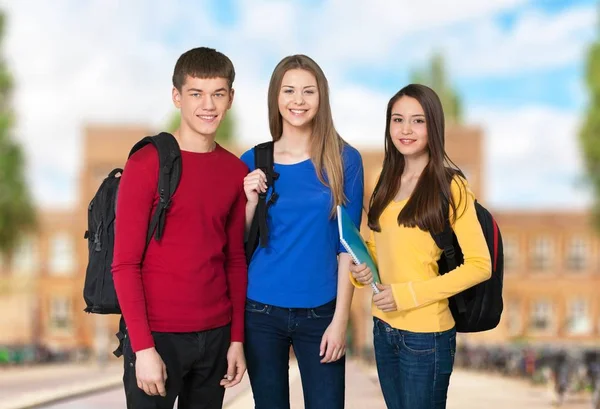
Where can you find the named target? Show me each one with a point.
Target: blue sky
(518, 66)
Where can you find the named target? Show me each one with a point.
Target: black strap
(445, 241)
(259, 229)
(169, 173)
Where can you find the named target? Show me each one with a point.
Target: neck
(414, 165)
(294, 139)
(193, 141)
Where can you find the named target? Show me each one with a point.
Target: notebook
(355, 245)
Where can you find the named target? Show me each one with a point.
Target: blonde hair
(326, 145)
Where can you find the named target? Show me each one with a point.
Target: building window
(511, 253)
(577, 254)
(578, 317)
(62, 254)
(513, 315)
(26, 257)
(542, 316)
(60, 313)
(542, 250)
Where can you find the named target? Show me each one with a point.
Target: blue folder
(355, 245)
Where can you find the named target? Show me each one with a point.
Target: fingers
(160, 387)
(323, 346)
(238, 376)
(362, 274)
(329, 353)
(256, 180)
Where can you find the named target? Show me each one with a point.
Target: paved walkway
(468, 390)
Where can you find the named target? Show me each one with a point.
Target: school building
(552, 263)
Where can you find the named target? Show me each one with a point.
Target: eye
(219, 94)
(288, 91)
(310, 91)
(420, 121)
(195, 95)
(396, 119)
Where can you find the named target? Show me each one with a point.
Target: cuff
(354, 282)
(405, 296)
(140, 342)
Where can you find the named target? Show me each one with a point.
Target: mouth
(298, 112)
(406, 141)
(207, 118)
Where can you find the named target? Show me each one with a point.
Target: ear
(231, 95)
(176, 97)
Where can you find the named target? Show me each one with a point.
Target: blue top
(298, 268)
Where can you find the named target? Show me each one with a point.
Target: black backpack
(99, 290)
(259, 230)
(478, 308)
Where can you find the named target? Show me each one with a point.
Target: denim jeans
(270, 331)
(414, 368)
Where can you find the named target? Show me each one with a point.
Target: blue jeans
(414, 368)
(270, 331)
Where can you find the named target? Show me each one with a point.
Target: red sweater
(195, 277)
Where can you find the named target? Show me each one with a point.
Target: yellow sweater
(407, 260)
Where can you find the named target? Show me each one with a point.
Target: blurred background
(82, 81)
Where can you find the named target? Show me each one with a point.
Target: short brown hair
(203, 62)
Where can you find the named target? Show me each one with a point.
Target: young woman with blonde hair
(298, 291)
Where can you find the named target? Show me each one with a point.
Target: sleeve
(135, 201)
(372, 250)
(235, 266)
(248, 158)
(475, 269)
(353, 187)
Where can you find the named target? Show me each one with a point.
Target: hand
(151, 372)
(361, 273)
(385, 299)
(333, 343)
(255, 182)
(236, 365)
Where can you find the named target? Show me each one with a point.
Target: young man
(183, 297)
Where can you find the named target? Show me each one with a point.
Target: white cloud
(537, 41)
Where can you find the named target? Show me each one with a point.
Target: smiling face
(408, 129)
(203, 103)
(298, 98)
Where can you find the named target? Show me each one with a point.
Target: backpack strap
(259, 230)
(169, 173)
(445, 241)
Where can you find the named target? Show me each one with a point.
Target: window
(26, 257)
(542, 316)
(577, 254)
(542, 250)
(511, 253)
(62, 254)
(60, 313)
(513, 315)
(578, 317)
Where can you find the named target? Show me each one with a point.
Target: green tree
(589, 135)
(435, 76)
(225, 134)
(17, 214)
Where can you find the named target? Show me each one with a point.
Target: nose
(208, 103)
(406, 128)
(299, 98)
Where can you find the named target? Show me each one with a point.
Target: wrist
(146, 351)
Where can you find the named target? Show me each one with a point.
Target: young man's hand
(236, 365)
(151, 372)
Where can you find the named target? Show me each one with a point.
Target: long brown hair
(424, 209)
(325, 144)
